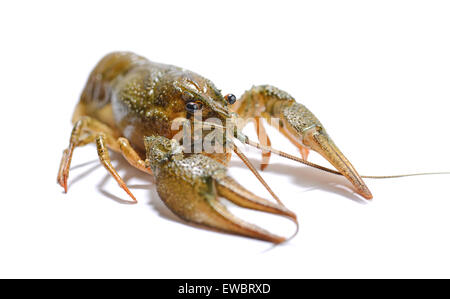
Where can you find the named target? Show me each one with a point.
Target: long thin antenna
(402, 175)
(323, 168)
(255, 172)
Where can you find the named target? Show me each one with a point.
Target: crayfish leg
(84, 131)
(263, 139)
(131, 155)
(88, 130)
(304, 151)
(103, 155)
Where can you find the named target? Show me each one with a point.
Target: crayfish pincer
(190, 187)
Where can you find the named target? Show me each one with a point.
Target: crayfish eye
(231, 98)
(191, 107)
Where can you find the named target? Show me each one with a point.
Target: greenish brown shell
(142, 98)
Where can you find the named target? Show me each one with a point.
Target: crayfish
(145, 111)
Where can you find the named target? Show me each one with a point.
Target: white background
(377, 74)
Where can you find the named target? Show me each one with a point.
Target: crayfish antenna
(255, 173)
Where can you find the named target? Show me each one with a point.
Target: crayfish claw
(303, 126)
(222, 219)
(190, 186)
(234, 192)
